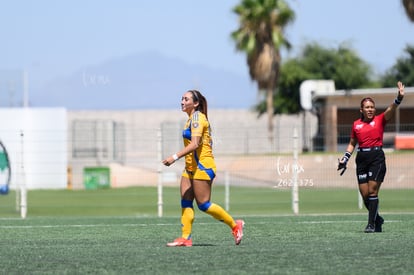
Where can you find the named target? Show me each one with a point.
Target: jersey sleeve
(198, 122)
(383, 120)
(353, 134)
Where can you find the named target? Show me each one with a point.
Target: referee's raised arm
(390, 111)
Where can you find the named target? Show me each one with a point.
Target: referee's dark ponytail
(202, 102)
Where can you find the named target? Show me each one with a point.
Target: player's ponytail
(202, 102)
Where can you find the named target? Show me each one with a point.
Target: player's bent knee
(204, 206)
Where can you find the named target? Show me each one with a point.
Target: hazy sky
(52, 38)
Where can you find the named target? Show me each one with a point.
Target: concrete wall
(235, 132)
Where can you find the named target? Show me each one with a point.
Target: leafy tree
(409, 8)
(403, 70)
(287, 99)
(342, 65)
(260, 35)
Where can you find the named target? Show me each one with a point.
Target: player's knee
(204, 206)
(186, 204)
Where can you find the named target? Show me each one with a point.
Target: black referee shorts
(370, 166)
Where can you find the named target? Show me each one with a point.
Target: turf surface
(272, 245)
(116, 231)
(142, 201)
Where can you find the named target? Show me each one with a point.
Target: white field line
(169, 224)
(82, 225)
(336, 222)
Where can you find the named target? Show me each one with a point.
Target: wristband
(175, 157)
(346, 157)
(397, 101)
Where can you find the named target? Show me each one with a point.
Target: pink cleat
(238, 231)
(181, 242)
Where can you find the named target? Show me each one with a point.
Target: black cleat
(379, 221)
(369, 229)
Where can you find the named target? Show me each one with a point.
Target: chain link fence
(244, 155)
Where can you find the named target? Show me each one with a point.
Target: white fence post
(23, 188)
(295, 187)
(159, 185)
(226, 191)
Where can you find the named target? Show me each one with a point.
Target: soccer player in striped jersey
(200, 170)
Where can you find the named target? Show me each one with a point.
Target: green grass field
(117, 231)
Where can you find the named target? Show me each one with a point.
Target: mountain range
(144, 81)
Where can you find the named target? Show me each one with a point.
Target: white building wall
(36, 141)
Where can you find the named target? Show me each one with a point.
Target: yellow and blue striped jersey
(202, 158)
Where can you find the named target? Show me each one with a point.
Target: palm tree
(409, 8)
(260, 35)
